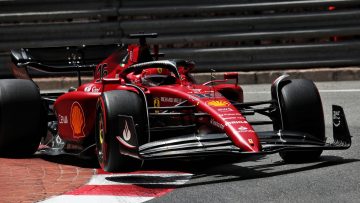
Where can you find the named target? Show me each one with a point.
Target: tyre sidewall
(302, 111)
(112, 104)
(302, 108)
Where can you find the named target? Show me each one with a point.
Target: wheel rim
(101, 142)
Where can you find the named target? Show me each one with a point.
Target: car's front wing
(193, 145)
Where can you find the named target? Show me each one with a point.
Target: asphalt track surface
(334, 178)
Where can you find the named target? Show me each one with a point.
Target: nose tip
(253, 148)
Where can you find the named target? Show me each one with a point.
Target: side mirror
(232, 75)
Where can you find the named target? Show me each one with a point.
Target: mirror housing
(232, 75)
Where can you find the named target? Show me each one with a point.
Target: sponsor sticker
(91, 88)
(208, 95)
(156, 102)
(235, 118)
(243, 129)
(236, 122)
(226, 110)
(126, 136)
(216, 124)
(193, 98)
(170, 99)
(218, 103)
(126, 132)
(77, 119)
(63, 119)
(88, 88)
(336, 118)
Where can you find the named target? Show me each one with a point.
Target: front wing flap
(188, 146)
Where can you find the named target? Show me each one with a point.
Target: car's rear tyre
(22, 118)
(302, 111)
(112, 104)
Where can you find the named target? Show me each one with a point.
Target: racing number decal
(102, 70)
(77, 120)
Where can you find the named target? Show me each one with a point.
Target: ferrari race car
(138, 108)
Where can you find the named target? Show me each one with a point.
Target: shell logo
(218, 103)
(77, 120)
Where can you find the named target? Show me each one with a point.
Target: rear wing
(60, 59)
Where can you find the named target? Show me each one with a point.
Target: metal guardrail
(273, 56)
(185, 7)
(231, 35)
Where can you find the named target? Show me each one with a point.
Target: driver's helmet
(156, 77)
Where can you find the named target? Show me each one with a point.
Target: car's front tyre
(110, 105)
(301, 110)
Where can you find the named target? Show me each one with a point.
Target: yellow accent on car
(218, 103)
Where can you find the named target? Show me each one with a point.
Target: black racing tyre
(110, 105)
(22, 118)
(302, 111)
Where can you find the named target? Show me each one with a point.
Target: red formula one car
(140, 108)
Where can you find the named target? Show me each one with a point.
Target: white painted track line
(321, 91)
(135, 187)
(96, 199)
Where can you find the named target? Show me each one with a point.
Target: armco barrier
(225, 35)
